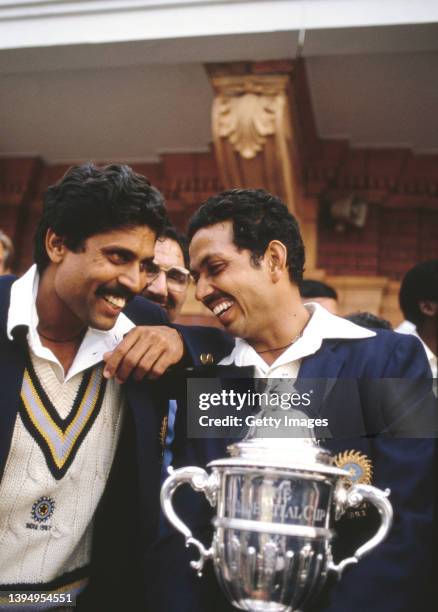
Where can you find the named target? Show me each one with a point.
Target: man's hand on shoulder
(144, 351)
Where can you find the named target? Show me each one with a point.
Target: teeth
(217, 310)
(115, 300)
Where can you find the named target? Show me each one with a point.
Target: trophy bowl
(276, 503)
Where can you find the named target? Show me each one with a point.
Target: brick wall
(402, 191)
(186, 180)
(351, 251)
(392, 241)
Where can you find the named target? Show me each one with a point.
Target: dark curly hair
(419, 283)
(89, 200)
(180, 239)
(258, 217)
(368, 320)
(317, 289)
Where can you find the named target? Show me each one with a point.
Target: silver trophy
(276, 501)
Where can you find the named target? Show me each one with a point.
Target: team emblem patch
(43, 509)
(358, 466)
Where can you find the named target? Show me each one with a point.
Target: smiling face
(169, 258)
(91, 287)
(228, 283)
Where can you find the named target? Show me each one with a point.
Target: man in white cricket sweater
(62, 412)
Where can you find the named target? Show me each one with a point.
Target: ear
(55, 246)
(428, 308)
(276, 259)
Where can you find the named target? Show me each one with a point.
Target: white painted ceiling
(129, 113)
(133, 100)
(377, 100)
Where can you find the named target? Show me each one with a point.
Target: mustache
(217, 295)
(117, 291)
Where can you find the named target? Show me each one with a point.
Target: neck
(73, 339)
(59, 329)
(56, 320)
(428, 332)
(284, 330)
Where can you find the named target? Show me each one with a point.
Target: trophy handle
(354, 496)
(200, 481)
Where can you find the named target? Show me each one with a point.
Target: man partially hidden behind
(79, 452)
(169, 290)
(171, 260)
(247, 259)
(319, 292)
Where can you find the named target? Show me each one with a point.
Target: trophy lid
(302, 454)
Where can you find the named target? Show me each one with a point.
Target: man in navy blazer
(80, 452)
(247, 258)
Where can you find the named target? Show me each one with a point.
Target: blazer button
(206, 358)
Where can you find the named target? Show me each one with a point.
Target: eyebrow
(172, 267)
(124, 251)
(205, 261)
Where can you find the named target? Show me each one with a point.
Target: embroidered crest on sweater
(60, 439)
(43, 509)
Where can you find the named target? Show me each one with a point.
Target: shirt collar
(322, 326)
(431, 357)
(22, 309)
(22, 312)
(406, 327)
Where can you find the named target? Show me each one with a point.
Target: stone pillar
(257, 133)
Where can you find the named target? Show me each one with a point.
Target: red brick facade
(402, 192)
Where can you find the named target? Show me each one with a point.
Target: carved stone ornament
(247, 109)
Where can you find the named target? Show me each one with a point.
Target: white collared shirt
(322, 325)
(405, 327)
(22, 311)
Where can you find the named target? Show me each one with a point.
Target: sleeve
(143, 312)
(200, 340)
(173, 586)
(407, 359)
(398, 575)
(197, 339)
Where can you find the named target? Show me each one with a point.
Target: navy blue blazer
(128, 516)
(397, 575)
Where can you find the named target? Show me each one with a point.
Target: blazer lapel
(326, 363)
(318, 374)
